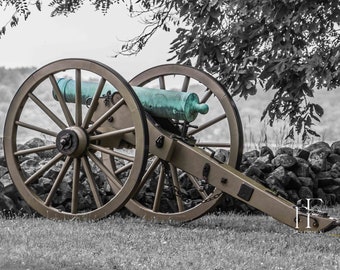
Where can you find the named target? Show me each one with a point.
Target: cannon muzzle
(160, 103)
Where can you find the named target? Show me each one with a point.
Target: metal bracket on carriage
(108, 98)
(205, 173)
(187, 140)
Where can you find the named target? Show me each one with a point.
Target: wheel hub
(72, 141)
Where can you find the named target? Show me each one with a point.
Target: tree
(288, 47)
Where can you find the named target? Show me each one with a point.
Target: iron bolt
(224, 180)
(160, 141)
(65, 141)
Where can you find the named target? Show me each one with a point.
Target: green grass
(227, 241)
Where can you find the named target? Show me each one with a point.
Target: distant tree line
(10, 81)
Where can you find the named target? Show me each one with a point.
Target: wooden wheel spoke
(206, 96)
(106, 115)
(91, 181)
(185, 84)
(112, 133)
(36, 128)
(161, 82)
(46, 110)
(177, 188)
(207, 124)
(35, 150)
(43, 169)
(78, 112)
(75, 186)
(124, 168)
(193, 180)
(58, 180)
(94, 103)
(112, 152)
(159, 190)
(114, 182)
(61, 100)
(150, 169)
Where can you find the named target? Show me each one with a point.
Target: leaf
(315, 118)
(184, 10)
(14, 21)
(269, 83)
(290, 134)
(38, 5)
(308, 121)
(252, 91)
(318, 109)
(312, 132)
(307, 90)
(27, 13)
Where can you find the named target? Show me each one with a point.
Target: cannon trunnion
(150, 145)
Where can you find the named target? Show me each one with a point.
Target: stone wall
(312, 172)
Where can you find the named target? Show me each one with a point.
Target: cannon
(111, 144)
(166, 104)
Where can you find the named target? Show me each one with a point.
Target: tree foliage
(21, 9)
(287, 47)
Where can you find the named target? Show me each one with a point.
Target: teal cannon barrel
(166, 104)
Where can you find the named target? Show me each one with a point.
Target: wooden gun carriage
(112, 137)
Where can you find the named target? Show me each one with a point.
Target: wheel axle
(72, 142)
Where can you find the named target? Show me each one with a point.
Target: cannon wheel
(220, 129)
(62, 175)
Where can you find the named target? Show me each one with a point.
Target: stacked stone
(8, 194)
(311, 172)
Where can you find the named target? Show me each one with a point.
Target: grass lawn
(227, 241)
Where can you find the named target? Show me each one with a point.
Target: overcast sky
(87, 34)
